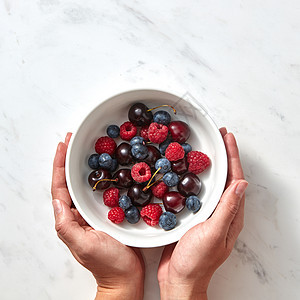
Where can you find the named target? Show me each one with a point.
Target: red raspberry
(144, 133)
(127, 131)
(157, 133)
(141, 172)
(116, 215)
(174, 152)
(111, 197)
(198, 162)
(105, 144)
(159, 189)
(151, 213)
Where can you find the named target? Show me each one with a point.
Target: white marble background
(240, 58)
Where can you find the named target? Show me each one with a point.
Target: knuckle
(232, 208)
(60, 229)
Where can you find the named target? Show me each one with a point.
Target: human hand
(118, 269)
(186, 268)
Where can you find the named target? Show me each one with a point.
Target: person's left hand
(118, 269)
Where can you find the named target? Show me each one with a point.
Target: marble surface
(241, 59)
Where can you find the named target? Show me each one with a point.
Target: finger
(68, 137)
(66, 225)
(236, 225)
(228, 206)
(59, 186)
(223, 131)
(235, 171)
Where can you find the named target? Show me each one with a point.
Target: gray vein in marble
(5, 252)
(48, 2)
(276, 113)
(2, 207)
(78, 14)
(7, 6)
(266, 199)
(248, 256)
(295, 68)
(10, 130)
(20, 191)
(189, 53)
(191, 75)
(69, 269)
(45, 294)
(138, 65)
(138, 15)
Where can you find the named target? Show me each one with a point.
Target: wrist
(132, 291)
(180, 291)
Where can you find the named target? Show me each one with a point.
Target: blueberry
(164, 164)
(105, 161)
(193, 203)
(94, 161)
(164, 145)
(113, 131)
(139, 151)
(132, 214)
(124, 202)
(114, 165)
(162, 117)
(170, 179)
(187, 148)
(167, 220)
(137, 140)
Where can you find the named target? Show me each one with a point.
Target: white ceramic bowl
(205, 137)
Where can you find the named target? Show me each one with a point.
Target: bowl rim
(203, 111)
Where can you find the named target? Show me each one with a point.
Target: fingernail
(241, 188)
(57, 207)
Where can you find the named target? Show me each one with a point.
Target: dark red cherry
(189, 185)
(174, 202)
(138, 196)
(179, 131)
(124, 178)
(179, 166)
(140, 115)
(123, 154)
(153, 156)
(95, 176)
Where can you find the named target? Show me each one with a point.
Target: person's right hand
(117, 268)
(186, 268)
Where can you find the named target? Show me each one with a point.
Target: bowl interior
(204, 137)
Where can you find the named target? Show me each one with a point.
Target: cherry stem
(104, 179)
(162, 106)
(147, 187)
(153, 176)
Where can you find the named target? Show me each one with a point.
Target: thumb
(229, 204)
(68, 229)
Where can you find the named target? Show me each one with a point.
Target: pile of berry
(167, 171)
